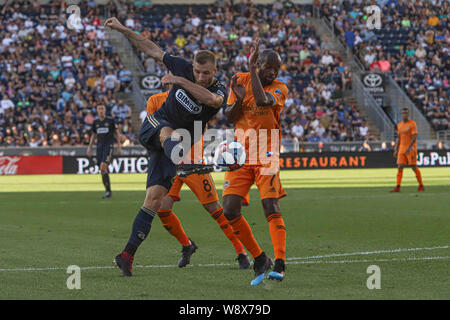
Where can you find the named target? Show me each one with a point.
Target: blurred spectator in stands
(121, 111)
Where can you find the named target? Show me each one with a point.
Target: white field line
(287, 262)
(366, 253)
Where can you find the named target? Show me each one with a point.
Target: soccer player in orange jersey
(255, 102)
(406, 149)
(204, 189)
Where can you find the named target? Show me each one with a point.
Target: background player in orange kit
(406, 149)
(204, 189)
(255, 101)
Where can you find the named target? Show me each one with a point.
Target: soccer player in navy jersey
(195, 96)
(105, 132)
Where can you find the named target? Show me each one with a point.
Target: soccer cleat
(186, 254)
(396, 189)
(124, 262)
(261, 265)
(244, 261)
(107, 195)
(278, 272)
(184, 170)
(421, 188)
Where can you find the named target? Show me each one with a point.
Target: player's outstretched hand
(238, 89)
(254, 54)
(114, 24)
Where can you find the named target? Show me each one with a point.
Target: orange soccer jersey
(256, 119)
(406, 131)
(156, 101)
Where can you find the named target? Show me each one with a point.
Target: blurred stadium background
(347, 83)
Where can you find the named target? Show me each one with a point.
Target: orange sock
(399, 177)
(278, 235)
(227, 229)
(243, 231)
(173, 225)
(419, 176)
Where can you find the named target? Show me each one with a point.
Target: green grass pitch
(339, 222)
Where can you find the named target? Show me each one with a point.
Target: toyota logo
(373, 80)
(151, 82)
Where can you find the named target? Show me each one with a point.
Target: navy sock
(106, 183)
(169, 145)
(141, 228)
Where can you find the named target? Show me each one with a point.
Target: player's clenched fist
(113, 23)
(169, 79)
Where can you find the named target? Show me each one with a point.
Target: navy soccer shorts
(161, 169)
(104, 153)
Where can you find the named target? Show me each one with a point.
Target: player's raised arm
(145, 45)
(272, 63)
(200, 93)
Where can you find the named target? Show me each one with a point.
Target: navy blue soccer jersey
(105, 130)
(181, 109)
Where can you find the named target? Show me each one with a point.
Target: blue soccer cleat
(278, 272)
(261, 265)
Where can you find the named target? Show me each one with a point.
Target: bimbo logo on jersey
(187, 102)
(102, 130)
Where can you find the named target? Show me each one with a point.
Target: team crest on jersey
(278, 92)
(187, 102)
(226, 184)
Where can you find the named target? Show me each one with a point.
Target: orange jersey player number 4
(258, 118)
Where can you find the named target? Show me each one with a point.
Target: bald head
(269, 56)
(269, 64)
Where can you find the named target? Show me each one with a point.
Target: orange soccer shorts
(201, 184)
(409, 159)
(240, 181)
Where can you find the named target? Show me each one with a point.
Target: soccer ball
(230, 154)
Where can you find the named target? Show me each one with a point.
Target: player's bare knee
(270, 206)
(153, 198)
(166, 204)
(232, 206)
(212, 207)
(103, 168)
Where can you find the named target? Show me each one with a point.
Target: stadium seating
(42, 105)
(227, 29)
(408, 34)
(51, 77)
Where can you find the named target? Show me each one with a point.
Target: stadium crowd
(412, 45)
(53, 76)
(316, 76)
